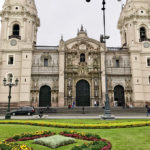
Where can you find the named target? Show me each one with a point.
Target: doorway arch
(119, 95)
(82, 93)
(45, 96)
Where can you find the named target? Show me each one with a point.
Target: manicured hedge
(82, 126)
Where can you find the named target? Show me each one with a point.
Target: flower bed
(92, 146)
(83, 136)
(30, 136)
(13, 146)
(98, 144)
(82, 126)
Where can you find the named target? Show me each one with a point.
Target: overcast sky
(64, 17)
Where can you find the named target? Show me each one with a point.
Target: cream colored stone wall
(65, 69)
(135, 15)
(42, 76)
(24, 14)
(75, 70)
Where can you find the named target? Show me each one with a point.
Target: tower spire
(82, 32)
(82, 28)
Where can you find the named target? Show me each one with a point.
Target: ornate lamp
(10, 85)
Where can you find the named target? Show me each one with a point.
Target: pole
(107, 112)
(8, 116)
(9, 98)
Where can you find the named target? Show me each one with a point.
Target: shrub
(54, 141)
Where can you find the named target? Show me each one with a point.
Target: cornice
(132, 17)
(28, 13)
(25, 14)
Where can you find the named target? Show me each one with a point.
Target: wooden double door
(82, 93)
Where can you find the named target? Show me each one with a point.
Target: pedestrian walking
(148, 109)
(41, 113)
(73, 104)
(95, 103)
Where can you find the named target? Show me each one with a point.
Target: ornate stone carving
(82, 47)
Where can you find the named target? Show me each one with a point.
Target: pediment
(82, 45)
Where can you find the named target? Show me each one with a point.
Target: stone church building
(74, 71)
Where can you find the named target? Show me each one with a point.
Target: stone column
(61, 74)
(73, 89)
(92, 91)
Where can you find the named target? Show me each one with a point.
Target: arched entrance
(82, 93)
(45, 96)
(119, 95)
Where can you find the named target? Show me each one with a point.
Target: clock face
(146, 44)
(13, 42)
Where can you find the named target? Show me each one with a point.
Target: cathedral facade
(74, 71)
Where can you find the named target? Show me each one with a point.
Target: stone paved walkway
(76, 116)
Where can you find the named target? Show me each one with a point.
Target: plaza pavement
(77, 116)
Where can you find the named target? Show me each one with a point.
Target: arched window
(16, 29)
(82, 57)
(142, 34)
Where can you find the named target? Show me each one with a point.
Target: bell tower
(19, 20)
(134, 22)
(18, 36)
(134, 26)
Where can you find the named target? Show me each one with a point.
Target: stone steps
(93, 110)
(87, 110)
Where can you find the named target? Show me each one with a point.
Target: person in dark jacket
(148, 109)
(41, 113)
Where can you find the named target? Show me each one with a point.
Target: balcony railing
(46, 47)
(144, 39)
(117, 49)
(45, 70)
(119, 71)
(15, 36)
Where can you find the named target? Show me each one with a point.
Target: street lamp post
(107, 113)
(10, 85)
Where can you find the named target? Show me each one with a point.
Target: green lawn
(121, 138)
